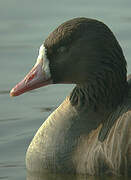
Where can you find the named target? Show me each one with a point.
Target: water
(23, 27)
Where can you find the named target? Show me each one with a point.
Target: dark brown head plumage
(85, 51)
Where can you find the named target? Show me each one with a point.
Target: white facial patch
(42, 57)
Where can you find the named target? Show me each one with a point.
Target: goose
(90, 132)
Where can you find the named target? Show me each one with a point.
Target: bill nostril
(30, 76)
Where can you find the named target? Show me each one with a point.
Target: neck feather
(106, 92)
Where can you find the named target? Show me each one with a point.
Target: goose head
(80, 51)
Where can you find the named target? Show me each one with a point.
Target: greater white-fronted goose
(90, 132)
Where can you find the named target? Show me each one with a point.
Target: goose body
(68, 142)
(90, 132)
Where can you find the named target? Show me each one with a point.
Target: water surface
(23, 27)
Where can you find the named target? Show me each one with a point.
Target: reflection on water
(49, 176)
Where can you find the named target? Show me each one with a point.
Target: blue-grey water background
(23, 27)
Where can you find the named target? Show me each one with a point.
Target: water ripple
(46, 109)
(10, 119)
(4, 91)
(11, 165)
(4, 177)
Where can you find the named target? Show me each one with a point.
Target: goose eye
(61, 49)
